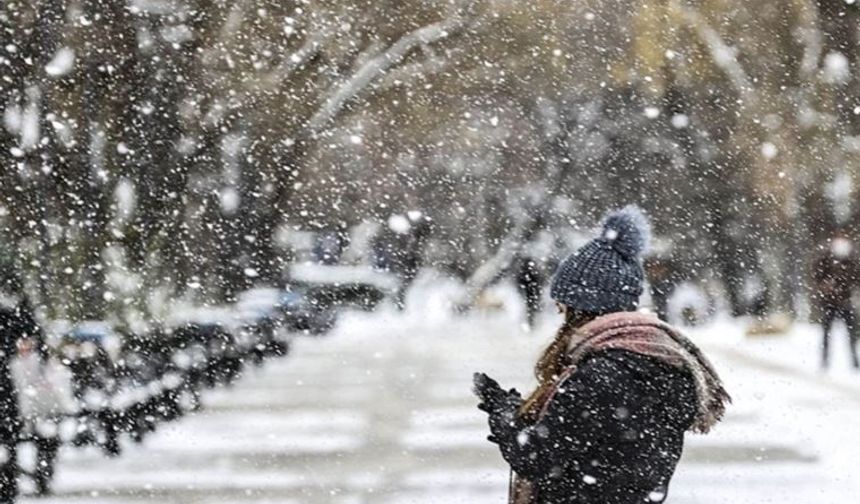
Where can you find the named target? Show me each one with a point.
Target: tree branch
(811, 37)
(403, 75)
(380, 64)
(723, 55)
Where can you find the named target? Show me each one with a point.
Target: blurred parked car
(358, 286)
(303, 310)
(299, 308)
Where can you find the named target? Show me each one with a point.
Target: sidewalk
(380, 411)
(792, 424)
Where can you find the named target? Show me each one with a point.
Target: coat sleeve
(588, 408)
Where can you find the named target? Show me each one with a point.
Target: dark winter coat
(10, 422)
(613, 434)
(835, 277)
(9, 328)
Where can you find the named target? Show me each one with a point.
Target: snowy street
(255, 252)
(380, 411)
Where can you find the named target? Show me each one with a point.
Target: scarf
(642, 334)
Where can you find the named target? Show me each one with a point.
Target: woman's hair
(553, 360)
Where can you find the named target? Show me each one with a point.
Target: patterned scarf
(643, 334)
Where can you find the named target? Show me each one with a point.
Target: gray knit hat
(605, 275)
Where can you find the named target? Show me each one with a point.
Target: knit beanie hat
(605, 275)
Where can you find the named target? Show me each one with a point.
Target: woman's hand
(501, 405)
(492, 396)
(488, 391)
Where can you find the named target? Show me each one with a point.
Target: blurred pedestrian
(616, 391)
(399, 249)
(529, 280)
(836, 275)
(10, 418)
(662, 275)
(45, 397)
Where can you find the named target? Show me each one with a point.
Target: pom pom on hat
(627, 231)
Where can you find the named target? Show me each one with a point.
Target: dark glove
(489, 392)
(492, 396)
(502, 406)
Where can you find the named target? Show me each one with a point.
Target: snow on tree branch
(404, 74)
(381, 63)
(811, 37)
(723, 55)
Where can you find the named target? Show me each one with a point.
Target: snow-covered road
(381, 412)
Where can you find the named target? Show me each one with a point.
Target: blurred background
(178, 147)
(181, 172)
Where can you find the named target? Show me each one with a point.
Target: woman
(616, 389)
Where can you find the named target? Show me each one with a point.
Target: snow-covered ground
(791, 435)
(380, 411)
